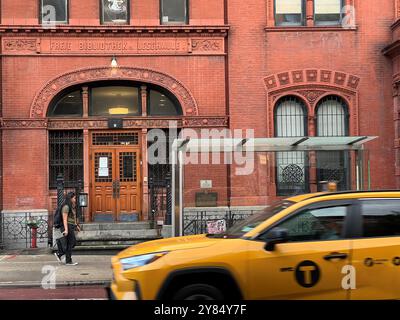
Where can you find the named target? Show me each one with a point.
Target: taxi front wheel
(199, 292)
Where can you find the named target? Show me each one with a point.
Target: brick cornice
(221, 30)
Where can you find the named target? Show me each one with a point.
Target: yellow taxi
(343, 245)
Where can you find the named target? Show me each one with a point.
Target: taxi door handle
(336, 255)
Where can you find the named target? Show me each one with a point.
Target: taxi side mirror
(275, 236)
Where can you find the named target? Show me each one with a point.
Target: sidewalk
(29, 269)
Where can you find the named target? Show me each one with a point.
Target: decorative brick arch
(312, 85)
(86, 75)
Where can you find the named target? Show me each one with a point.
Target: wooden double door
(115, 183)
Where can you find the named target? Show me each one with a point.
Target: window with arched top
(332, 117)
(67, 104)
(291, 167)
(162, 103)
(333, 121)
(290, 117)
(109, 99)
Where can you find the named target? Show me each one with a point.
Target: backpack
(58, 221)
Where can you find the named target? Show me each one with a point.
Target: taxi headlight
(139, 261)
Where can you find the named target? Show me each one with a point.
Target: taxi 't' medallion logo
(307, 274)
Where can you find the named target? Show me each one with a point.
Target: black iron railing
(160, 195)
(16, 231)
(197, 222)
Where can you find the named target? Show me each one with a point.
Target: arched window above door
(115, 100)
(68, 104)
(161, 103)
(122, 98)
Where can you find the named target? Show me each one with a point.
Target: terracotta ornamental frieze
(134, 123)
(107, 45)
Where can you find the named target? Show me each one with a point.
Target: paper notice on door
(103, 162)
(103, 172)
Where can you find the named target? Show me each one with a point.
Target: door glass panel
(316, 224)
(103, 167)
(127, 166)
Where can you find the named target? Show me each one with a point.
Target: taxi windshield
(242, 227)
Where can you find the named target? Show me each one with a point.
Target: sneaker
(71, 263)
(57, 257)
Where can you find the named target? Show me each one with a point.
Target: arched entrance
(111, 161)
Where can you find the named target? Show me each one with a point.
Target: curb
(35, 284)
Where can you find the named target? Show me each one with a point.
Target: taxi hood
(169, 244)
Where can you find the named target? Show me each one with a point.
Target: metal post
(359, 169)
(152, 202)
(60, 189)
(78, 190)
(1, 231)
(168, 217)
(181, 187)
(173, 187)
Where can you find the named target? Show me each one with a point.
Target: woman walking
(69, 225)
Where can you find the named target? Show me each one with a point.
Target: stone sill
(114, 29)
(308, 29)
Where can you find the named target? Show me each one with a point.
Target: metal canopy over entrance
(271, 144)
(182, 147)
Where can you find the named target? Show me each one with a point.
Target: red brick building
(204, 64)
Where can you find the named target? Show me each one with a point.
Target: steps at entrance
(114, 236)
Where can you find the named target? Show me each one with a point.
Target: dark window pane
(327, 12)
(161, 105)
(128, 167)
(54, 11)
(289, 12)
(115, 11)
(70, 105)
(316, 225)
(381, 218)
(114, 100)
(174, 11)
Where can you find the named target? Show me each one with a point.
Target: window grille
(115, 138)
(291, 167)
(333, 121)
(66, 157)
